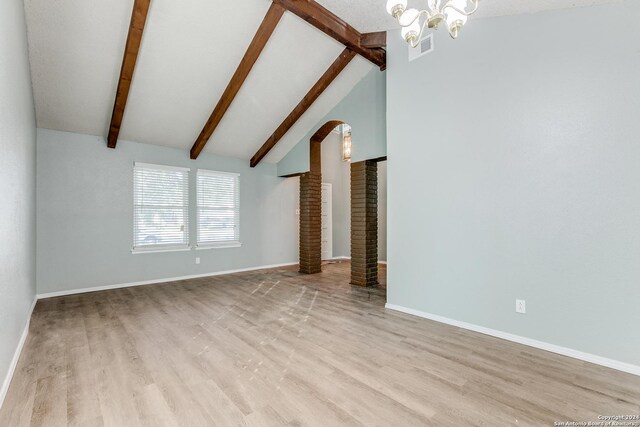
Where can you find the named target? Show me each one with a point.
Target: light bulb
(411, 33)
(408, 16)
(410, 30)
(396, 7)
(455, 19)
(346, 147)
(453, 16)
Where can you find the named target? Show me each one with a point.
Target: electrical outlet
(297, 211)
(197, 260)
(521, 306)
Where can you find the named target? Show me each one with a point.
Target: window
(218, 209)
(160, 208)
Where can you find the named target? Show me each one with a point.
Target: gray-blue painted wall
(17, 185)
(364, 109)
(514, 174)
(85, 215)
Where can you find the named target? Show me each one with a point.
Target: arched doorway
(364, 214)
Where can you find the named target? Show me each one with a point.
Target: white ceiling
(73, 49)
(370, 15)
(189, 52)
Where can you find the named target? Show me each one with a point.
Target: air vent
(426, 46)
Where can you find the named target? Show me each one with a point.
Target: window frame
(159, 247)
(222, 244)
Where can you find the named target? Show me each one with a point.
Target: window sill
(160, 250)
(218, 246)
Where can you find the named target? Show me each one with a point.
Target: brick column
(364, 223)
(311, 215)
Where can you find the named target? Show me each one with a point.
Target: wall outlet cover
(521, 306)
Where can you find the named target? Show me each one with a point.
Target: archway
(364, 214)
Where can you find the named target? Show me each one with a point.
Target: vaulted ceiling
(188, 55)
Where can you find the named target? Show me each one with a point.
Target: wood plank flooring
(273, 347)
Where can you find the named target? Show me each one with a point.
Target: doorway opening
(339, 208)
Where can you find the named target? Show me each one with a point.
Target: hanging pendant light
(346, 143)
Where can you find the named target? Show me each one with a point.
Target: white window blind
(160, 207)
(218, 208)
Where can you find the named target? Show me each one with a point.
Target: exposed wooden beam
(292, 175)
(258, 43)
(327, 78)
(330, 24)
(379, 159)
(132, 47)
(374, 40)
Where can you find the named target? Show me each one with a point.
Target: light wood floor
(278, 348)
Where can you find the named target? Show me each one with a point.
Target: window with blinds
(218, 200)
(160, 207)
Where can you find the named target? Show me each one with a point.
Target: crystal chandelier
(414, 22)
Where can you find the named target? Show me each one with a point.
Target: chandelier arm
(415, 42)
(463, 12)
(422, 12)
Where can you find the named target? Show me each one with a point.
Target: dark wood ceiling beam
(330, 24)
(132, 47)
(374, 40)
(327, 78)
(252, 54)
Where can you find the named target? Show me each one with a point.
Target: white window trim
(206, 246)
(216, 245)
(163, 167)
(159, 249)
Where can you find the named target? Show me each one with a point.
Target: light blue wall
(364, 109)
(337, 172)
(85, 215)
(17, 185)
(513, 172)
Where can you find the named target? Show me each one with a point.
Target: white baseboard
(156, 281)
(16, 355)
(586, 357)
(348, 258)
(338, 258)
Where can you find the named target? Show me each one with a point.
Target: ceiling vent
(424, 47)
